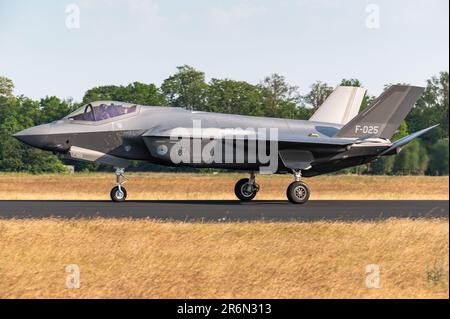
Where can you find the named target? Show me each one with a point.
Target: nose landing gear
(298, 192)
(246, 188)
(119, 193)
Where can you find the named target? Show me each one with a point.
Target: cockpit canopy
(101, 110)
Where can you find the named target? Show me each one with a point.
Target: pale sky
(119, 42)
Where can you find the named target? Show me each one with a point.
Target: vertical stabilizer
(385, 114)
(341, 106)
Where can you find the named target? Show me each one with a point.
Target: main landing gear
(298, 192)
(119, 193)
(246, 188)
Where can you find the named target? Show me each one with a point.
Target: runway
(221, 211)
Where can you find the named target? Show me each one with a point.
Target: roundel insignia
(162, 150)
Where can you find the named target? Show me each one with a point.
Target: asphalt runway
(221, 210)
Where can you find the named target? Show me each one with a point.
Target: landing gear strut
(119, 193)
(246, 188)
(298, 192)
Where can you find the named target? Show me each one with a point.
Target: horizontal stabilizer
(405, 140)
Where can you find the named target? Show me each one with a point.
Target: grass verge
(152, 259)
(164, 186)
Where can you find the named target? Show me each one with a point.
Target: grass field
(150, 259)
(208, 186)
(154, 259)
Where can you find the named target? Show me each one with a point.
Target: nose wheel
(119, 193)
(246, 188)
(298, 192)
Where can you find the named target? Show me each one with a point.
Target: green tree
(351, 82)
(385, 165)
(432, 108)
(439, 158)
(280, 98)
(382, 166)
(6, 87)
(304, 113)
(16, 114)
(413, 159)
(318, 93)
(139, 93)
(102, 93)
(36, 161)
(234, 97)
(186, 88)
(52, 108)
(401, 132)
(144, 94)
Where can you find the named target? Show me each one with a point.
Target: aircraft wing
(181, 132)
(292, 154)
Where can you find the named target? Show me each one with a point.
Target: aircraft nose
(36, 136)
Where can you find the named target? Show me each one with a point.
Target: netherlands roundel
(162, 150)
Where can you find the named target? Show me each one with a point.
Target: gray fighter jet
(336, 137)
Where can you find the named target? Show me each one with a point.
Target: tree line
(188, 88)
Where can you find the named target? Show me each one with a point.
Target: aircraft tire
(298, 193)
(116, 196)
(241, 192)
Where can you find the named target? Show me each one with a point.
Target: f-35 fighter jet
(335, 137)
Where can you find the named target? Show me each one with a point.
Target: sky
(64, 48)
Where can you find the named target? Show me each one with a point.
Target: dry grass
(150, 259)
(220, 186)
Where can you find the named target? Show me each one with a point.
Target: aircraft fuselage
(149, 136)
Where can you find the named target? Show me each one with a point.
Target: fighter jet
(334, 138)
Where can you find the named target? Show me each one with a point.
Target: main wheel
(118, 195)
(244, 192)
(298, 193)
